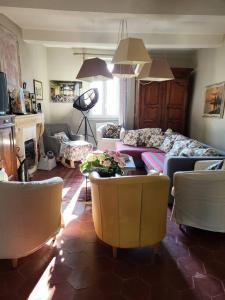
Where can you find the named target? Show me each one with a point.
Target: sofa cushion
(199, 152)
(112, 131)
(134, 151)
(178, 146)
(131, 138)
(169, 141)
(153, 161)
(61, 137)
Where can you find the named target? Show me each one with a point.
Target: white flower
(91, 157)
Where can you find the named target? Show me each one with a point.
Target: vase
(106, 174)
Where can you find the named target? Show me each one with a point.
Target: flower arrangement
(106, 163)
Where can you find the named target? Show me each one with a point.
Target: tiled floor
(190, 266)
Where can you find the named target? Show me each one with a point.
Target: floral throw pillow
(150, 137)
(168, 143)
(112, 131)
(199, 152)
(131, 138)
(61, 137)
(155, 141)
(178, 147)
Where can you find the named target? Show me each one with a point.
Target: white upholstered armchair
(106, 143)
(30, 214)
(200, 198)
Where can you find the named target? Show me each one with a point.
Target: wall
(210, 70)
(34, 66)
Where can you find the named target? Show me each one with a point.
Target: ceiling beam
(190, 7)
(109, 40)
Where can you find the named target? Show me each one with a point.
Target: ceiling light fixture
(94, 69)
(123, 71)
(130, 51)
(157, 70)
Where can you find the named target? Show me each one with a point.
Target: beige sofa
(30, 214)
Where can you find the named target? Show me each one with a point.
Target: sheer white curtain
(127, 100)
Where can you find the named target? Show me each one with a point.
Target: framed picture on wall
(38, 89)
(214, 100)
(64, 91)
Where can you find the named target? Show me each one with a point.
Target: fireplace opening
(30, 153)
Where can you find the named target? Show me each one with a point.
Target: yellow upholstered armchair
(30, 214)
(129, 211)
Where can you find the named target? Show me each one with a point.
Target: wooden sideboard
(7, 146)
(163, 104)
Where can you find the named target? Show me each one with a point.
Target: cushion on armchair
(112, 131)
(61, 137)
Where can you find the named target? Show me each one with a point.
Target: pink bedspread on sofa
(135, 151)
(153, 160)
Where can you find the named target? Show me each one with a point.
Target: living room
(154, 229)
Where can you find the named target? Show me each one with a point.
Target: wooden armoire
(163, 104)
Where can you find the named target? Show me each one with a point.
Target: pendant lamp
(131, 51)
(94, 69)
(123, 71)
(157, 70)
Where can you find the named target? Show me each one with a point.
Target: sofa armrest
(174, 164)
(100, 131)
(122, 133)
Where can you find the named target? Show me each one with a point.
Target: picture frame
(214, 100)
(38, 89)
(62, 91)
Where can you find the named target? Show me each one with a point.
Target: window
(108, 102)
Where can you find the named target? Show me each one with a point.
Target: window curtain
(127, 100)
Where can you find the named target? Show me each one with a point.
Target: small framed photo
(214, 100)
(38, 89)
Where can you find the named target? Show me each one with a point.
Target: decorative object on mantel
(9, 59)
(94, 69)
(130, 51)
(214, 100)
(38, 89)
(157, 70)
(64, 91)
(17, 103)
(107, 164)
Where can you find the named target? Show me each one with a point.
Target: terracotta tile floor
(79, 267)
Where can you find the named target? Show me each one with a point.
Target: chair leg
(114, 251)
(72, 165)
(14, 262)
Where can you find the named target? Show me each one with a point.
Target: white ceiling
(100, 29)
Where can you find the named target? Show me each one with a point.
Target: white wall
(210, 70)
(34, 66)
(63, 65)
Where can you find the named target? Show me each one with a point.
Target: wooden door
(7, 151)
(176, 105)
(151, 98)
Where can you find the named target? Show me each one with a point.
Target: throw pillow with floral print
(112, 131)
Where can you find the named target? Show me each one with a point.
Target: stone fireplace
(29, 129)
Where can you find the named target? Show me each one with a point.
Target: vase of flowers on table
(107, 164)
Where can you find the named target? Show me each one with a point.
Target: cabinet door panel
(176, 97)
(150, 105)
(7, 151)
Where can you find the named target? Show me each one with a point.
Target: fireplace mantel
(29, 127)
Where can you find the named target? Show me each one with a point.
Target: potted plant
(106, 163)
